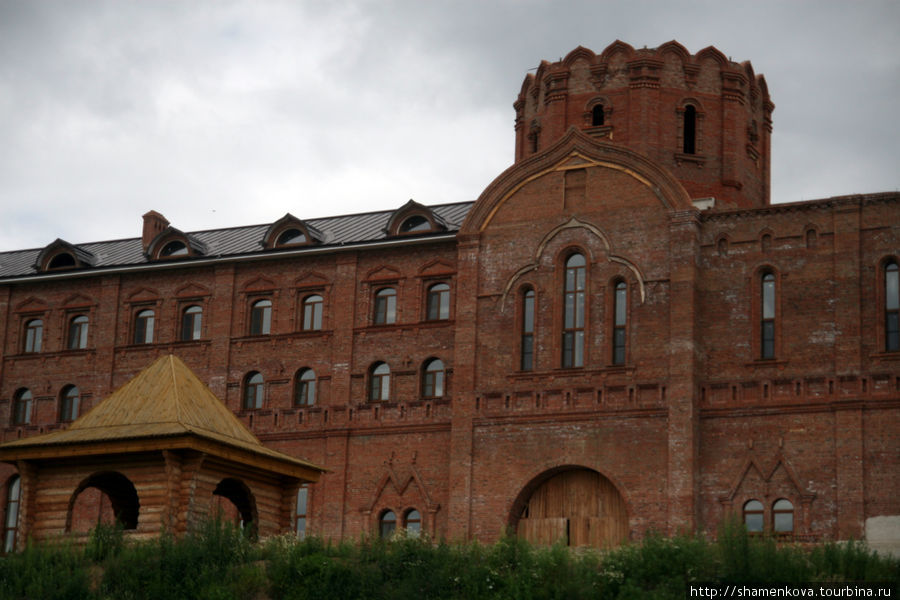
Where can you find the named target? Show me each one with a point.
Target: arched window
(261, 317)
(78, 332)
(143, 327)
(21, 413)
(620, 312)
(312, 313)
(526, 360)
(891, 307)
(767, 322)
(753, 516)
(385, 306)
(597, 116)
(305, 388)
(433, 379)
(415, 224)
(387, 524)
(63, 260)
(254, 390)
(573, 313)
(290, 237)
(68, 404)
(783, 516)
(192, 323)
(300, 518)
(174, 248)
(380, 382)
(34, 335)
(438, 302)
(689, 134)
(413, 521)
(11, 521)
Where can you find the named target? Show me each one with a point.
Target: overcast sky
(220, 114)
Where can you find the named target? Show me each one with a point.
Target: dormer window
(415, 224)
(60, 255)
(173, 243)
(63, 260)
(413, 218)
(175, 248)
(291, 236)
(289, 231)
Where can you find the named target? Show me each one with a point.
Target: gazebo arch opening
(117, 496)
(573, 505)
(241, 499)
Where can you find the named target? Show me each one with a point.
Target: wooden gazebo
(164, 451)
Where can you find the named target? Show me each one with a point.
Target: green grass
(219, 561)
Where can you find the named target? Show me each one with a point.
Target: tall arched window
(573, 312)
(413, 523)
(380, 382)
(526, 360)
(68, 403)
(783, 516)
(305, 388)
(438, 302)
(891, 307)
(143, 327)
(312, 313)
(78, 332)
(433, 379)
(34, 335)
(21, 413)
(597, 116)
(753, 516)
(261, 317)
(387, 524)
(385, 306)
(767, 323)
(192, 323)
(254, 390)
(11, 521)
(689, 133)
(620, 312)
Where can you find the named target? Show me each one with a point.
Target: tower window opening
(597, 116)
(690, 130)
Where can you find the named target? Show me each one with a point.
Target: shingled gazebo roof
(165, 407)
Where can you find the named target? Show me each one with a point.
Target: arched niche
(114, 493)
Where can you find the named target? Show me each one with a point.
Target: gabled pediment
(143, 294)
(259, 284)
(437, 267)
(31, 304)
(383, 273)
(78, 301)
(192, 290)
(311, 279)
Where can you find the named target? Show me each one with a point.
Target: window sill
(567, 372)
(695, 159)
(767, 362)
(57, 354)
(893, 355)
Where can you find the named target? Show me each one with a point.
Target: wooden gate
(578, 508)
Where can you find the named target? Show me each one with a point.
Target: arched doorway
(103, 498)
(240, 505)
(575, 506)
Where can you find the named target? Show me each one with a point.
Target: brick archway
(240, 496)
(575, 505)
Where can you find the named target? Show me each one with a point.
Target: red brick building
(620, 334)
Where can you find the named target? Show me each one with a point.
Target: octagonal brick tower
(702, 116)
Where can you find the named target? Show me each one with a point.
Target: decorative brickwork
(696, 392)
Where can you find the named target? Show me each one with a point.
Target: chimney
(154, 223)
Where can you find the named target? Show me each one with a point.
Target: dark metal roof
(237, 241)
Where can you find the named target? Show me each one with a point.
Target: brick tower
(704, 117)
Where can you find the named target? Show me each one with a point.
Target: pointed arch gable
(575, 150)
(401, 485)
(751, 463)
(616, 47)
(579, 53)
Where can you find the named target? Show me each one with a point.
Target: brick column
(682, 471)
(847, 317)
